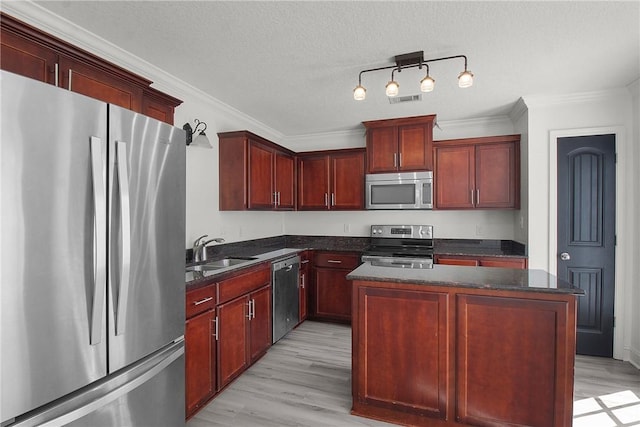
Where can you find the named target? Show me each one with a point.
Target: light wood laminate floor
(305, 380)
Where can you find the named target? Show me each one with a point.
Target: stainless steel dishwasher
(285, 293)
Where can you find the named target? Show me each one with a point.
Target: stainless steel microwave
(405, 190)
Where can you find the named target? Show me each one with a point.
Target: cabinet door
(415, 384)
(382, 149)
(514, 330)
(233, 332)
(260, 323)
(332, 294)
(496, 176)
(303, 298)
(200, 359)
(285, 181)
(261, 194)
(313, 183)
(414, 150)
(347, 181)
(454, 177)
(91, 81)
(27, 58)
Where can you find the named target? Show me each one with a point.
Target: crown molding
(535, 101)
(43, 19)
(518, 110)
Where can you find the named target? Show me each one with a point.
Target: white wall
(586, 114)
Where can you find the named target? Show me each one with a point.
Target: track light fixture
(412, 60)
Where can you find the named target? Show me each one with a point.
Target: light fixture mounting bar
(406, 59)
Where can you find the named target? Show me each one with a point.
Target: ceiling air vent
(408, 98)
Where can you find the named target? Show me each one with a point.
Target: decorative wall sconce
(200, 139)
(412, 60)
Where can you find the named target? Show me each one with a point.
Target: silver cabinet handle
(253, 308)
(249, 310)
(56, 73)
(333, 199)
(125, 219)
(334, 261)
(302, 281)
(202, 301)
(278, 198)
(564, 256)
(395, 160)
(326, 199)
(275, 198)
(400, 160)
(70, 76)
(100, 241)
(215, 333)
(477, 196)
(472, 198)
(304, 261)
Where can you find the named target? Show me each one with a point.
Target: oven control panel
(403, 231)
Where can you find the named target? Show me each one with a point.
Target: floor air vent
(408, 98)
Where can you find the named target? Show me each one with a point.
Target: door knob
(564, 256)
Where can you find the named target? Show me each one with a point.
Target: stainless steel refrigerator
(92, 267)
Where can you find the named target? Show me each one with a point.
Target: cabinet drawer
(200, 300)
(337, 260)
(244, 283)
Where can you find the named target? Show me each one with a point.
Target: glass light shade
(359, 93)
(201, 141)
(427, 84)
(465, 79)
(392, 88)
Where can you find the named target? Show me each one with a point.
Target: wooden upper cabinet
(478, 173)
(261, 194)
(255, 173)
(285, 181)
(400, 145)
(91, 81)
(331, 180)
(21, 55)
(27, 51)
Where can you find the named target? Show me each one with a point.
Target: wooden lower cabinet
(200, 360)
(331, 295)
(392, 356)
(512, 361)
(482, 261)
(244, 333)
(428, 355)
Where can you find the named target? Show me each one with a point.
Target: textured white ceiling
(293, 65)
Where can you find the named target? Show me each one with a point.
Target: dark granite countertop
(481, 247)
(468, 277)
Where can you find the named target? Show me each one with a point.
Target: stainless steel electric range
(405, 246)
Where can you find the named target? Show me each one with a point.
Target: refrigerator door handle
(125, 218)
(100, 240)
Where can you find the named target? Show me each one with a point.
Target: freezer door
(53, 276)
(147, 393)
(147, 235)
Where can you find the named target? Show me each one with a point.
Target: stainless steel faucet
(200, 247)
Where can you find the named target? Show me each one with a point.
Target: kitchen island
(452, 346)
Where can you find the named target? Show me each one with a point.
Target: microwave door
(392, 195)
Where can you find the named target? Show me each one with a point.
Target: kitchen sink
(203, 268)
(218, 264)
(227, 262)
